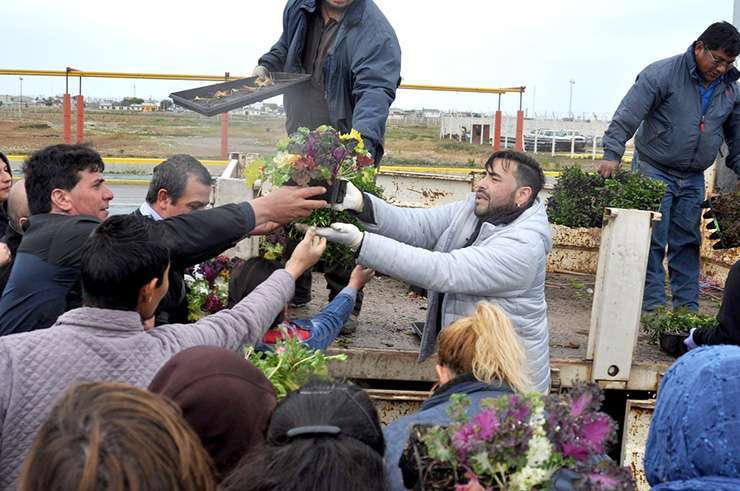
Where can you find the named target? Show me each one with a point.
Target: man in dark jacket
(353, 56)
(179, 185)
(68, 199)
(685, 107)
(354, 59)
(728, 318)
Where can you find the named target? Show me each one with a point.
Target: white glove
(261, 72)
(342, 233)
(353, 200)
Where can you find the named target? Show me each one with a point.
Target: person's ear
(23, 224)
(163, 198)
(61, 200)
(146, 294)
(522, 196)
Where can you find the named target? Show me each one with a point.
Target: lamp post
(20, 101)
(570, 101)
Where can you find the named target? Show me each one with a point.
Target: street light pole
(20, 101)
(570, 101)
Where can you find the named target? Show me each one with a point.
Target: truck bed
(384, 330)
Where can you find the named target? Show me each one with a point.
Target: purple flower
(311, 149)
(209, 272)
(487, 424)
(339, 154)
(577, 406)
(596, 431)
(464, 439)
(574, 450)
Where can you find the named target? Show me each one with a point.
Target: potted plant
(724, 211)
(290, 363)
(320, 157)
(516, 443)
(207, 286)
(668, 329)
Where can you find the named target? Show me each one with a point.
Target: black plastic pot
(672, 343)
(334, 192)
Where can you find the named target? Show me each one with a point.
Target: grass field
(122, 134)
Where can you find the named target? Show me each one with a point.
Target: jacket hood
(352, 17)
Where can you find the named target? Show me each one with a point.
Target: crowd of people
(104, 384)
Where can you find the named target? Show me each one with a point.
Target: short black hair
(118, 259)
(721, 35)
(172, 176)
(528, 171)
(57, 167)
(5, 160)
(352, 458)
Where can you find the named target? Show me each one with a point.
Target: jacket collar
(730, 77)
(108, 320)
(353, 16)
(464, 384)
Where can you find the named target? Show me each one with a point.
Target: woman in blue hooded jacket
(694, 438)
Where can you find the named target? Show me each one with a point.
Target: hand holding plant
(306, 254)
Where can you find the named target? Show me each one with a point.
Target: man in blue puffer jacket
(353, 56)
(688, 105)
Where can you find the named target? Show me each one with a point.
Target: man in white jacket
(491, 246)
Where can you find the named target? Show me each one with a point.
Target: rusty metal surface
(574, 249)
(417, 189)
(638, 415)
(394, 404)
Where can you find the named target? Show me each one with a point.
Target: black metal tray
(210, 106)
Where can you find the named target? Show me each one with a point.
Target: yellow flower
(286, 159)
(354, 135)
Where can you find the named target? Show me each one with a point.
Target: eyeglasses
(719, 61)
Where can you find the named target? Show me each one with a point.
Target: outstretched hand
(286, 204)
(306, 254)
(342, 233)
(608, 168)
(360, 277)
(353, 200)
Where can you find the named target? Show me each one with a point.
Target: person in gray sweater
(124, 272)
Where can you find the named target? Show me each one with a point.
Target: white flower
(189, 280)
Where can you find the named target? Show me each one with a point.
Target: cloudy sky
(540, 44)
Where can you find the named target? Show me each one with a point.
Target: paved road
(126, 198)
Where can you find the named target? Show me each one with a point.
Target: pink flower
(579, 405)
(576, 451)
(472, 485)
(487, 424)
(596, 431)
(280, 350)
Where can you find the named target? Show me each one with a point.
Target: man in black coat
(179, 185)
(68, 198)
(728, 318)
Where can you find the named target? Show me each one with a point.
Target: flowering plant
(291, 363)
(320, 157)
(517, 443)
(207, 286)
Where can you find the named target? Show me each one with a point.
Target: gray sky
(540, 44)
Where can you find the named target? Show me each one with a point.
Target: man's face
(712, 64)
(90, 196)
(338, 4)
(497, 191)
(196, 196)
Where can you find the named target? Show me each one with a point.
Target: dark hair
(4, 158)
(115, 436)
(721, 35)
(118, 259)
(247, 276)
(172, 176)
(528, 170)
(57, 167)
(324, 436)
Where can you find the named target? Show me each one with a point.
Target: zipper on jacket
(701, 124)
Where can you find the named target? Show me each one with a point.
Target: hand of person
(607, 168)
(265, 229)
(261, 72)
(4, 255)
(286, 204)
(342, 233)
(148, 323)
(306, 254)
(353, 200)
(360, 277)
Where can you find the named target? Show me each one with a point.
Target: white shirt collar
(148, 211)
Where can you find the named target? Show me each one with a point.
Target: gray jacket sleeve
(732, 136)
(504, 266)
(419, 227)
(245, 323)
(645, 94)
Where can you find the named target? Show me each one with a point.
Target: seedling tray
(235, 93)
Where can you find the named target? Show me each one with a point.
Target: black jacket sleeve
(728, 330)
(201, 235)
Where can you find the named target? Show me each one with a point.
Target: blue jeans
(327, 324)
(680, 230)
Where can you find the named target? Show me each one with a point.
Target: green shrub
(679, 321)
(579, 198)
